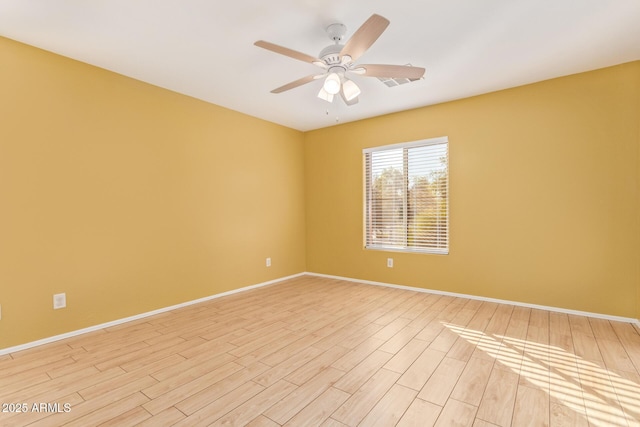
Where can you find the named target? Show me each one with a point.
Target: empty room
(320, 213)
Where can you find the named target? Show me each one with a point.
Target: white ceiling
(204, 48)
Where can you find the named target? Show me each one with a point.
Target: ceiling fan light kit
(338, 61)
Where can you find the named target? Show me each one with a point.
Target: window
(406, 196)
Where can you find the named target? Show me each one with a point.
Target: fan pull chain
(337, 117)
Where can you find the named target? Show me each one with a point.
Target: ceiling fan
(338, 61)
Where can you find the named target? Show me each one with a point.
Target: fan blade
(297, 83)
(391, 71)
(288, 52)
(365, 36)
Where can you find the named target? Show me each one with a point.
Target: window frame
(367, 191)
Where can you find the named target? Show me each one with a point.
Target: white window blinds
(406, 196)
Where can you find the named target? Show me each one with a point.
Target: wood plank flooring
(320, 352)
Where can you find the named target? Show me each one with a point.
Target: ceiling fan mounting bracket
(336, 32)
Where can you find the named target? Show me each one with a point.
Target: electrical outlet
(268, 262)
(59, 301)
(390, 262)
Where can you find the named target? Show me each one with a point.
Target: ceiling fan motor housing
(330, 55)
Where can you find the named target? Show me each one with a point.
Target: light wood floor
(315, 351)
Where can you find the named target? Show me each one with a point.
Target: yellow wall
(543, 186)
(638, 190)
(130, 198)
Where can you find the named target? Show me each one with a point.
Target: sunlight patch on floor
(601, 395)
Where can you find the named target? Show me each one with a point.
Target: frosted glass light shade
(332, 84)
(323, 94)
(350, 90)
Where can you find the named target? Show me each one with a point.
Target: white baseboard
(480, 298)
(137, 316)
(270, 282)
